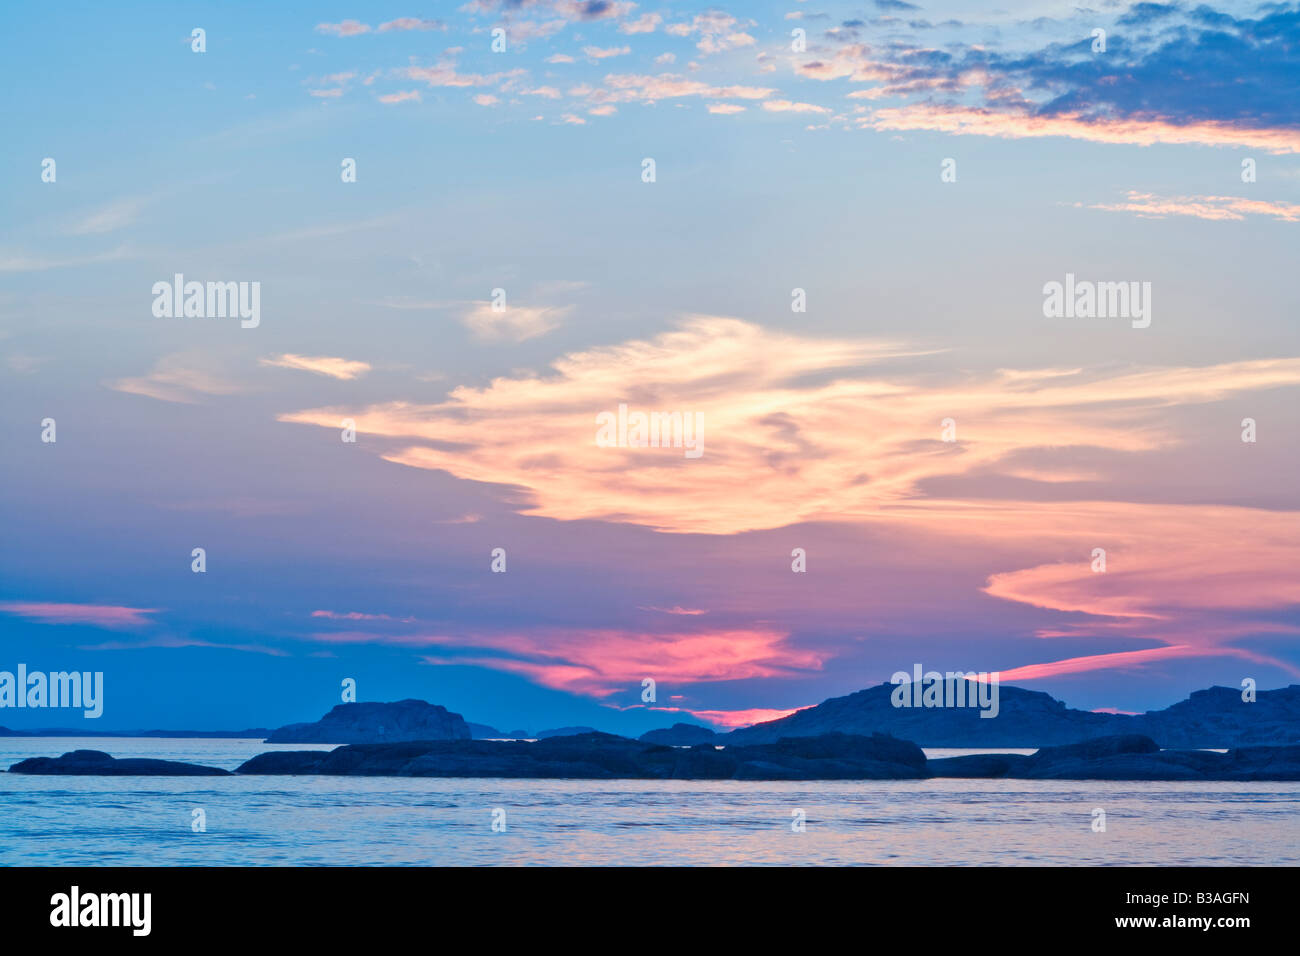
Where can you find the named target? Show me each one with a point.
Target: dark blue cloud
(1178, 65)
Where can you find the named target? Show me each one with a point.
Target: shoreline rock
(597, 756)
(99, 764)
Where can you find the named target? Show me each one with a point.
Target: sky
(627, 204)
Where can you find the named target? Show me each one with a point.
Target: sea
(387, 821)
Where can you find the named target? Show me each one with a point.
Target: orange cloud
(1221, 208)
(340, 368)
(782, 422)
(1021, 124)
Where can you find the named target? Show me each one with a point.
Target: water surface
(142, 821)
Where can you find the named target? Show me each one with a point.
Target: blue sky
(521, 170)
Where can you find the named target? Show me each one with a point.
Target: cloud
(598, 53)
(780, 414)
(717, 31)
(178, 641)
(646, 23)
(111, 616)
(599, 663)
(359, 616)
(178, 378)
(445, 74)
(109, 218)
(732, 719)
(726, 109)
(1026, 124)
(320, 365)
(785, 106)
(411, 23)
(1219, 208)
(22, 262)
(516, 323)
(401, 96)
(1190, 77)
(348, 28)
(632, 87)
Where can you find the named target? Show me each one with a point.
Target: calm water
(356, 820)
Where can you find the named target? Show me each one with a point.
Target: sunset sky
(522, 170)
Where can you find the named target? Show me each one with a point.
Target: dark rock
(367, 722)
(1216, 717)
(597, 756)
(565, 732)
(978, 765)
(97, 763)
(679, 735)
(1127, 757)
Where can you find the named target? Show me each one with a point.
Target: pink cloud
(402, 96)
(600, 662)
(1021, 123)
(348, 28)
(732, 719)
(1220, 208)
(96, 615)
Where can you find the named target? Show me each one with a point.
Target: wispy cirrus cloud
(112, 616)
(110, 217)
(786, 106)
(329, 366)
(517, 323)
(354, 28)
(345, 28)
(731, 719)
(1217, 208)
(1025, 123)
(780, 448)
(358, 616)
(603, 662)
(184, 378)
(784, 445)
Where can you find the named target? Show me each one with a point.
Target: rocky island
(96, 763)
(835, 756)
(368, 721)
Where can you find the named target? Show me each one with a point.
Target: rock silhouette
(605, 756)
(1215, 717)
(680, 735)
(826, 757)
(598, 756)
(368, 721)
(99, 764)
